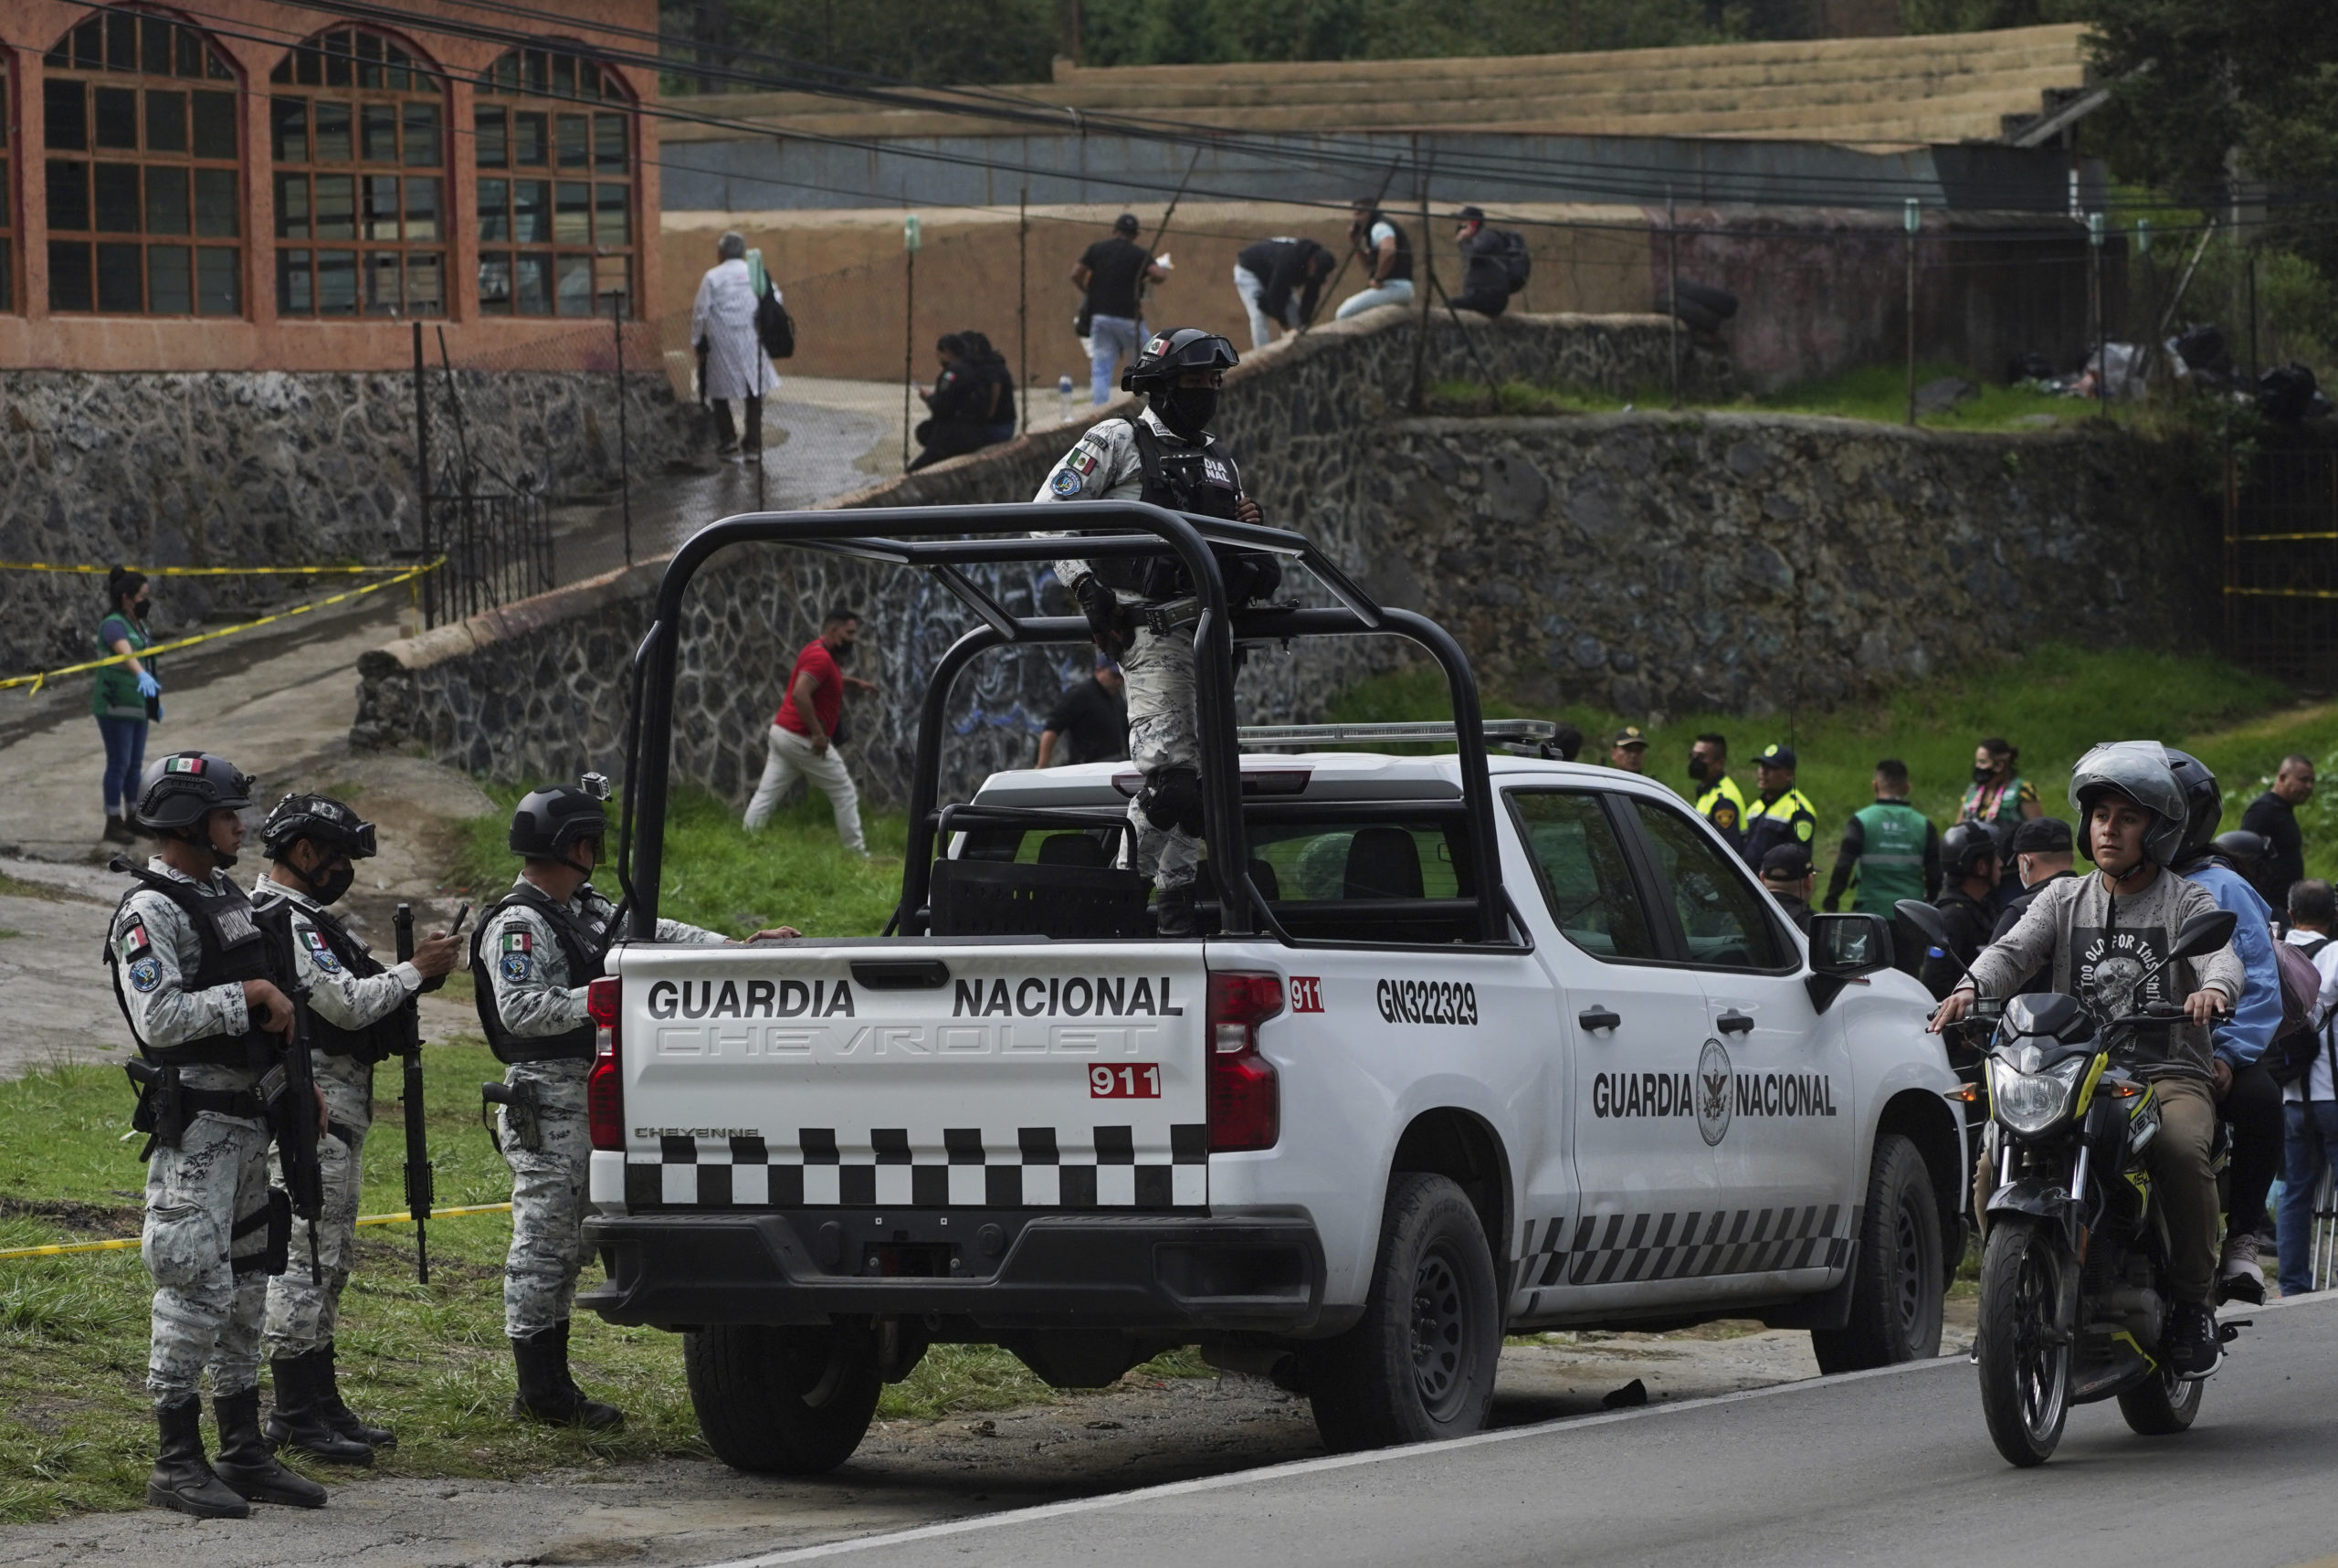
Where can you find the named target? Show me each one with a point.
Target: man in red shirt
(804, 732)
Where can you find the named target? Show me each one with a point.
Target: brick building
(247, 185)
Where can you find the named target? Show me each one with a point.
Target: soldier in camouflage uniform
(1142, 612)
(195, 973)
(355, 1019)
(535, 953)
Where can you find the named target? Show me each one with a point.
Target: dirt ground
(1140, 1433)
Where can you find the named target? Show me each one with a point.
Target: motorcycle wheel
(2025, 1349)
(2164, 1406)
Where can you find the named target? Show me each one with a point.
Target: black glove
(1113, 625)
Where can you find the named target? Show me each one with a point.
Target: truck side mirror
(1844, 948)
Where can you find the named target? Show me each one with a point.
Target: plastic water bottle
(1063, 397)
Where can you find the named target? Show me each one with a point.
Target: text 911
(1124, 1083)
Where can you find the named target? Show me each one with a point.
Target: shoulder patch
(1066, 483)
(132, 939)
(1084, 458)
(319, 950)
(144, 975)
(518, 966)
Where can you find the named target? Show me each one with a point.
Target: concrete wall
(1821, 289)
(538, 690)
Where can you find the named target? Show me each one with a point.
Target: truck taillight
(1245, 1097)
(605, 1087)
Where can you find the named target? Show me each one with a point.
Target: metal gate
(2281, 562)
(494, 533)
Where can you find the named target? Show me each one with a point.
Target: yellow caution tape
(197, 571)
(38, 681)
(2286, 593)
(124, 1242)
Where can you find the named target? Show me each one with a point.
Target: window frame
(1627, 831)
(83, 57)
(306, 76)
(1657, 893)
(11, 163)
(546, 82)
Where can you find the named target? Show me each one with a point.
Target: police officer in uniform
(355, 1009)
(1786, 871)
(1719, 800)
(1893, 850)
(1781, 813)
(1968, 854)
(533, 954)
(195, 974)
(1144, 611)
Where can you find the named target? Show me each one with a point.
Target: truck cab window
(1720, 915)
(1581, 866)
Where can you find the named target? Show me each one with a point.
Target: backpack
(1510, 248)
(2296, 1043)
(775, 328)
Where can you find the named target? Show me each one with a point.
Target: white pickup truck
(1478, 1044)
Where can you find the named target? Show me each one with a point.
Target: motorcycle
(2074, 1268)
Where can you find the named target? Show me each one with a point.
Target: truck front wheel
(1420, 1364)
(785, 1401)
(1899, 1275)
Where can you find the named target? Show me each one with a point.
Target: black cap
(1126, 224)
(1629, 735)
(2043, 836)
(1775, 756)
(1470, 215)
(1787, 862)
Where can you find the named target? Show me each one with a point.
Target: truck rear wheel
(1420, 1364)
(1898, 1278)
(785, 1401)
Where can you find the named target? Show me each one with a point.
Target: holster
(161, 1109)
(520, 1100)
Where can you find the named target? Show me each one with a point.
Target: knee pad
(1172, 798)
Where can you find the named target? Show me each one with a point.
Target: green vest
(116, 696)
(1891, 865)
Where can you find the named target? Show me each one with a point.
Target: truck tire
(781, 1402)
(1420, 1364)
(1898, 1276)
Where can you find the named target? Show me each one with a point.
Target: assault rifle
(421, 1182)
(288, 1090)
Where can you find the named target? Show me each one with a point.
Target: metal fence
(2282, 560)
(498, 550)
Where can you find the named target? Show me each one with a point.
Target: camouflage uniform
(302, 1310)
(205, 1235)
(526, 975)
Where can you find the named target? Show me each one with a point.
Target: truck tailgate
(1069, 1076)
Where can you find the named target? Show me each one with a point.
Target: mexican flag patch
(182, 765)
(518, 942)
(132, 939)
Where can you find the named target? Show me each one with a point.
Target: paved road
(1881, 1469)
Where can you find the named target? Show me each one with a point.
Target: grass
(2053, 702)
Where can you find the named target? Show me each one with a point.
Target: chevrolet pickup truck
(1473, 1043)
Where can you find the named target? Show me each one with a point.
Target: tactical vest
(581, 944)
(1401, 268)
(236, 948)
(382, 1038)
(1204, 481)
(1892, 860)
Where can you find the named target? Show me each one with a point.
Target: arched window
(555, 186)
(360, 179)
(7, 229)
(143, 198)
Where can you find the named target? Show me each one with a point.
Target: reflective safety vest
(1892, 861)
(1789, 819)
(1723, 805)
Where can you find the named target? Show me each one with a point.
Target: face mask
(327, 886)
(141, 607)
(841, 654)
(1699, 770)
(1186, 409)
(1984, 775)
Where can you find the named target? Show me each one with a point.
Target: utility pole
(910, 240)
(1912, 218)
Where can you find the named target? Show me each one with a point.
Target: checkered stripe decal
(1622, 1249)
(962, 1169)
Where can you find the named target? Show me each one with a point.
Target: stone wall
(263, 469)
(537, 691)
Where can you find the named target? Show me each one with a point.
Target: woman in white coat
(732, 366)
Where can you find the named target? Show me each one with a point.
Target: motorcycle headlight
(2030, 1103)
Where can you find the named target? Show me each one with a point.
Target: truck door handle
(1734, 1023)
(1597, 1019)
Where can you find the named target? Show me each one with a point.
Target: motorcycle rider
(1143, 611)
(2101, 932)
(2250, 1099)
(1968, 857)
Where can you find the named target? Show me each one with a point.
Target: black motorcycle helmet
(547, 821)
(177, 794)
(1170, 354)
(2204, 803)
(1964, 848)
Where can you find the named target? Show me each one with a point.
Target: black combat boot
(547, 1392)
(183, 1479)
(344, 1420)
(245, 1463)
(301, 1421)
(1173, 913)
